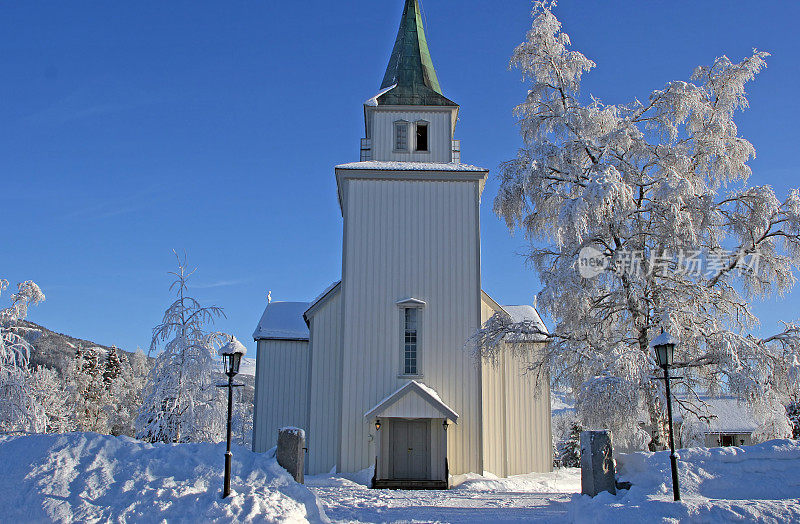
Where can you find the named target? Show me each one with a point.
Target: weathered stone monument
(597, 463)
(291, 452)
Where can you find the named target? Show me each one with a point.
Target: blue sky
(129, 130)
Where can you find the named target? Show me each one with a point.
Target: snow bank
(755, 483)
(90, 477)
(562, 480)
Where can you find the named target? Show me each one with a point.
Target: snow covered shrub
(91, 397)
(180, 400)
(20, 411)
(126, 393)
(608, 402)
(53, 394)
(655, 195)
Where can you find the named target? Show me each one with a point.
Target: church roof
(525, 313)
(397, 165)
(401, 404)
(322, 298)
(282, 321)
(410, 77)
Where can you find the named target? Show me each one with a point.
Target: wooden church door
(411, 450)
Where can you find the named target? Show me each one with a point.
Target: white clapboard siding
(281, 390)
(517, 436)
(530, 445)
(411, 239)
(325, 396)
(412, 406)
(494, 410)
(440, 134)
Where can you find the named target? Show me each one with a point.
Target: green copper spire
(411, 67)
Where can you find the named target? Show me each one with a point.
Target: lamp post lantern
(231, 353)
(664, 346)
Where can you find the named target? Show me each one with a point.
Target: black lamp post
(664, 345)
(231, 358)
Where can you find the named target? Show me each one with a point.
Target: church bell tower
(410, 120)
(410, 285)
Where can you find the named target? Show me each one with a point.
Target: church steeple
(410, 67)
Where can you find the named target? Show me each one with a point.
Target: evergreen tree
(569, 450)
(91, 397)
(793, 412)
(112, 368)
(126, 393)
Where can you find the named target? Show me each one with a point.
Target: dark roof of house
(410, 77)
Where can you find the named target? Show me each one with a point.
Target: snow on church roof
(282, 321)
(426, 392)
(526, 313)
(321, 296)
(410, 166)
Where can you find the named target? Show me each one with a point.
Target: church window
(401, 135)
(410, 340)
(422, 136)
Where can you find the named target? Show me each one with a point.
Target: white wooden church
(375, 369)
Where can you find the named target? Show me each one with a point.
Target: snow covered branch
(655, 196)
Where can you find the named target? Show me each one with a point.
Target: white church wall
(281, 390)
(516, 415)
(440, 135)
(493, 397)
(410, 239)
(325, 396)
(530, 445)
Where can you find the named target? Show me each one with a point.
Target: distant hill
(55, 350)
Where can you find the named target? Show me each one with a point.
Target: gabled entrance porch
(411, 444)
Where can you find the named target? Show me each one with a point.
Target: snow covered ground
(80, 477)
(752, 484)
(537, 497)
(86, 477)
(758, 483)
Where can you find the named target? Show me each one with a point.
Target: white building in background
(724, 421)
(375, 369)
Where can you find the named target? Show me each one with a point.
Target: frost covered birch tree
(650, 199)
(53, 395)
(180, 398)
(19, 409)
(91, 396)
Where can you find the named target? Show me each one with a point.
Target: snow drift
(758, 483)
(90, 477)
